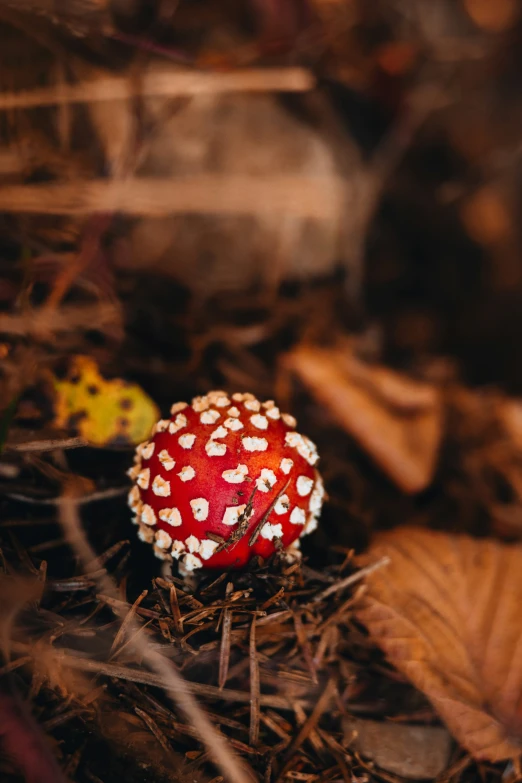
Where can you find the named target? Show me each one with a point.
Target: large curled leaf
(447, 612)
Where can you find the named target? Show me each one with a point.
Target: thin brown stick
(261, 523)
(167, 82)
(254, 687)
(242, 526)
(224, 652)
(120, 607)
(310, 723)
(319, 198)
(174, 608)
(122, 630)
(71, 659)
(352, 579)
(91, 497)
(155, 729)
(46, 445)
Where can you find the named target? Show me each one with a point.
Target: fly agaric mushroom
(223, 480)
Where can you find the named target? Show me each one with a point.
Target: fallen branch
(320, 198)
(167, 82)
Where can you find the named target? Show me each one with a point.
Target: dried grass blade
(129, 641)
(172, 682)
(91, 497)
(154, 728)
(104, 558)
(352, 579)
(174, 608)
(273, 599)
(120, 607)
(224, 653)
(254, 687)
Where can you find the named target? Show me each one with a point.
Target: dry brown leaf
(397, 420)
(446, 612)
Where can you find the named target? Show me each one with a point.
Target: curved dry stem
(174, 684)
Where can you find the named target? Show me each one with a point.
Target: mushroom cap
(223, 480)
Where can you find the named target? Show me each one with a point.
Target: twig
(319, 198)
(352, 579)
(71, 659)
(224, 653)
(259, 526)
(47, 445)
(168, 82)
(242, 525)
(174, 608)
(310, 724)
(154, 728)
(254, 687)
(122, 630)
(103, 494)
(150, 45)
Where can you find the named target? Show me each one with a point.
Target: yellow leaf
(102, 411)
(446, 612)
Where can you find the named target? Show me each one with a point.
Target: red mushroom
(225, 479)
